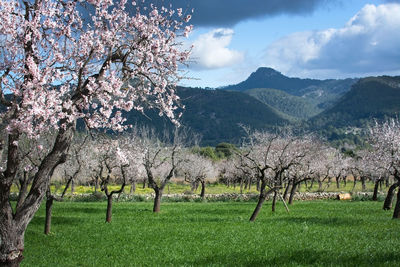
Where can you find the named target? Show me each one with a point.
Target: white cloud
(368, 43)
(211, 50)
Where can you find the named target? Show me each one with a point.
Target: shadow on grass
(296, 257)
(332, 221)
(59, 220)
(84, 210)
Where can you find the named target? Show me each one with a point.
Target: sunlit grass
(203, 234)
(213, 188)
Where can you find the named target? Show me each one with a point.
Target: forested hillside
(370, 98)
(216, 115)
(294, 106)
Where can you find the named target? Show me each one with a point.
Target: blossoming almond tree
(58, 67)
(385, 141)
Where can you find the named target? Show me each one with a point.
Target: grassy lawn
(219, 234)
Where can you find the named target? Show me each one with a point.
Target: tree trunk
(258, 185)
(12, 246)
(109, 208)
(345, 180)
(319, 185)
(287, 189)
(260, 202)
(96, 184)
(72, 187)
(363, 183)
(338, 182)
(49, 206)
(274, 201)
(389, 197)
(292, 192)
(241, 186)
(203, 190)
(354, 183)
(133, 188)
(312, 184)
(144, 184)
(375, 195)
(396, 213)
(157, 201)
(13, 226)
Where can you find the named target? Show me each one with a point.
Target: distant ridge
(370, 98)
(317, 95)
(269, 78)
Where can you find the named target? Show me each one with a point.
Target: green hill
(216, 115)
(320, 93)
(370, 98)
(294, 106)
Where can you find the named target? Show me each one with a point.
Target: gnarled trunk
(49, 206)
(387, 205)
(12, 245)
(13, 225)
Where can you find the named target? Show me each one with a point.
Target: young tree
(271, 155)
(160, 162)
(385, 141)
(196, 169)
(70, 168)
(59, 67)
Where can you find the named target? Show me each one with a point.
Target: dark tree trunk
(345, 180)
(376, 186)
(292, 192)
(337, 182)
(241, 186)
(260, 202)
(49, 207)
(387, 205)
(157, 200)
(203, 190)
(109, 208)
(287, 188)
(354, 183)
(144, 184)
(258, 185)
(274, 201)
(396, 213)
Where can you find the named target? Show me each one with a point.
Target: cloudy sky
(300, 38)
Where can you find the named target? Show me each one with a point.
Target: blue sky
(300, 38)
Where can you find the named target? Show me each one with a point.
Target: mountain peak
(265, 71)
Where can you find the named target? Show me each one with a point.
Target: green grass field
(215, 234)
